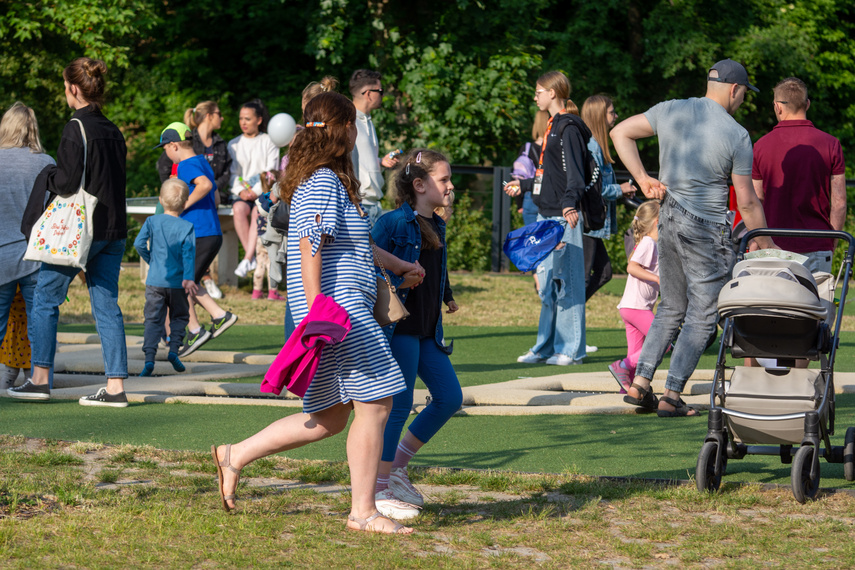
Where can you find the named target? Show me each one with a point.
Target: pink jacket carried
(296, 364)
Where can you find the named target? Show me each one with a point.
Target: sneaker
(212, 289)
(530, 358)
(102, 398)
(30, 391)
(392, 508)
(147, 369)
(195, 341)
(621, 374)
(253, 264)
(273, 295)
(221, 325)
(402, 488)
(177, 365)
(242, 268)
(257, 295)
(562, 360)
(591, 349)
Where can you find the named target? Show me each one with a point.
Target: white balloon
(281, 129)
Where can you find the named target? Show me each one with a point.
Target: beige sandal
(227, 464)
(363, 524)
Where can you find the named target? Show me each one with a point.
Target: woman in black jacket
(104, 178)
(557, 190)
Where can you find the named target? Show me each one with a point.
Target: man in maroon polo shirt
(798, 173)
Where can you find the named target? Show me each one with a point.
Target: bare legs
(246, 227)
(364, 445)
(207, 303)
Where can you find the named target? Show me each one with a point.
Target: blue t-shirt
(203, 214)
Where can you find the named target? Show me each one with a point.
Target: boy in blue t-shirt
(171, 256)
(201, 210)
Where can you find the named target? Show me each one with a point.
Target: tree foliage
(459, 74)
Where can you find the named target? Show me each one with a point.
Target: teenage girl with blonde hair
(641, 291)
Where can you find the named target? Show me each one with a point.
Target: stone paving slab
(565, 393)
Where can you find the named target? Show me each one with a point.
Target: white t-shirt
(251, 156)
(640, 294)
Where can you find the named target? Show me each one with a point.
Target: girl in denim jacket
(414, 233)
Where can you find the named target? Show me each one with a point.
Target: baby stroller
(775, 309)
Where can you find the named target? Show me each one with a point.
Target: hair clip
(419, 158)
(407, 171)
(635, 218)
(319, 124)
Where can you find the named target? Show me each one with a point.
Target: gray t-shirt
(700, 146)
(18, 170)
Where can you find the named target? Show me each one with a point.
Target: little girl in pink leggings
(642, 289)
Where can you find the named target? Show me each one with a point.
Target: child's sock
(176, 364)
(403, 455)
(382, 483)
(147, 369)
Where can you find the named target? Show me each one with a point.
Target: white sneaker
(242, 268)
(253, 264)
(392, 508)
(562, 360)
(529, 358)
(591, 349)
(212, 289)
(402, 488)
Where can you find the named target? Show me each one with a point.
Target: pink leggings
(637, 323)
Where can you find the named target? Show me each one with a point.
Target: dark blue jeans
(695, 261)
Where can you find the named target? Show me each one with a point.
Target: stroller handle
(811, 234)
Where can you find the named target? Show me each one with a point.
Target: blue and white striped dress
(362, 367)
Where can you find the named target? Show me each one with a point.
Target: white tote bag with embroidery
(63, 234)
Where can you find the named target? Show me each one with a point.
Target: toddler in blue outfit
(168, 244)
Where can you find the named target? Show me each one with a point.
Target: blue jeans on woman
(102, 279)
(529, 209)
(695, 261)
(421, 355)
(561, 279)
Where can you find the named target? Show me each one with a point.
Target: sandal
(363, 524)
(647, 400)
(681, 409)
(227, 464)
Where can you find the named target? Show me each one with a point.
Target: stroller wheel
(849, 455)
(705, 476)
(803, 486)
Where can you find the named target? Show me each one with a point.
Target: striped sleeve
(318, 208)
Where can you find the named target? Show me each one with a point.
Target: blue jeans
(421, 355)
(695, 261)
(102, 279)
(561, 278)
(529, 209)
(7, 295)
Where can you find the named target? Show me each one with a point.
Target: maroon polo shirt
(795, 162)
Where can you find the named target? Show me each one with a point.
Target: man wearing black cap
(700, 146)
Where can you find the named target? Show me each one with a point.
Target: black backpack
(592, 204)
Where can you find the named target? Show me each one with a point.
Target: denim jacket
(398, 233)
(611, 192)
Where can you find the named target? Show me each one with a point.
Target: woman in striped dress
(329, 253)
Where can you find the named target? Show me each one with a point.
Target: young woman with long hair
(557, 190)
(329, 253)
(599, 114)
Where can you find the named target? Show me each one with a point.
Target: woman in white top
(252, 153)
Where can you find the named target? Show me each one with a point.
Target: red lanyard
(545, 137)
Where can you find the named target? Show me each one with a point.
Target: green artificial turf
(602, 445)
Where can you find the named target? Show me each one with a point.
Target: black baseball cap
(175, 132)
(730, 71)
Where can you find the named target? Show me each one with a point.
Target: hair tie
(318, 124)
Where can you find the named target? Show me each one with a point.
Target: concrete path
(79, 369)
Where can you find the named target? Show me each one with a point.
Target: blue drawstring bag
(529, 245)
